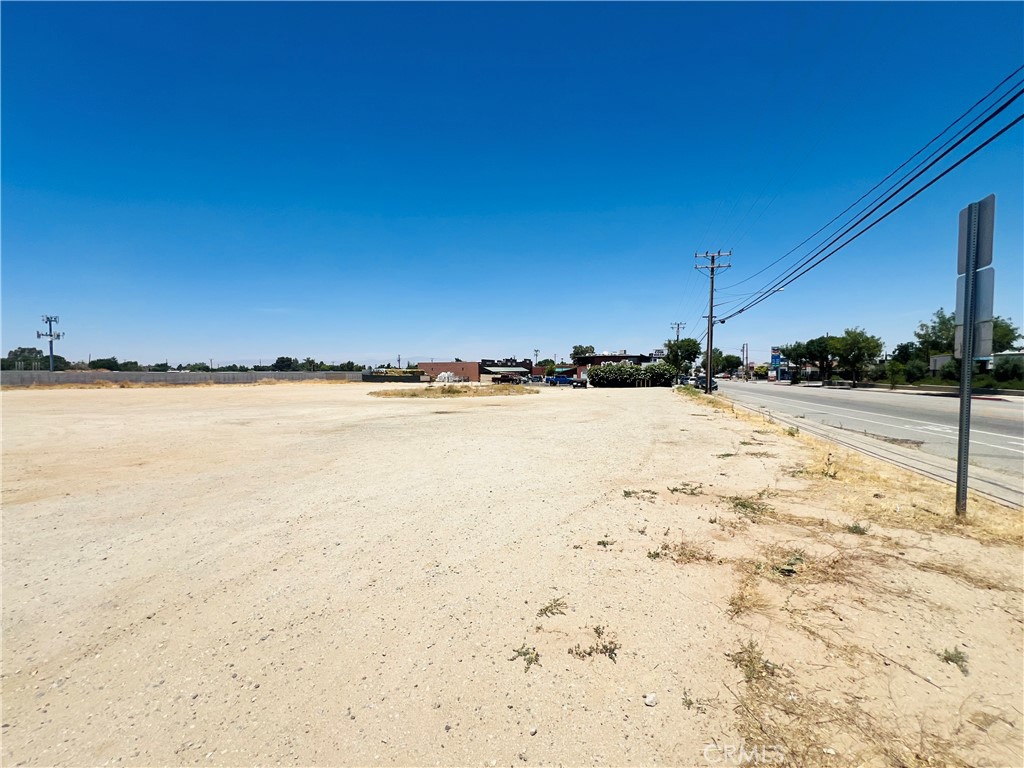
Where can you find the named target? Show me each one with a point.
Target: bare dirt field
(305, 575)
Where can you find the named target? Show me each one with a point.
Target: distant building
(462, 371)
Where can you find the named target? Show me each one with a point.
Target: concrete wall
(27, 378)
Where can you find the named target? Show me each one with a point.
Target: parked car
(701, 383)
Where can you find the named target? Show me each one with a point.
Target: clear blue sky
(237, 181)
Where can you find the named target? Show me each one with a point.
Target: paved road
(915, 430)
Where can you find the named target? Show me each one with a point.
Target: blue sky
(236, 181)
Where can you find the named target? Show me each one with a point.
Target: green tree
(1004, 334)
(796, 353)
(547, 362)
(731, 363)
(309, 364)
(822, 352)
(681, 353)
(285, 364)
(579, 351)
(894, 372)
(30, 358)
(716, 361)
(936, 337)
(907, 351)
(105, 363)
(855, 350)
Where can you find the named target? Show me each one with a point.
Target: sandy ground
(305, 575)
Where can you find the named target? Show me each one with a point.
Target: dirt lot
(305, 575)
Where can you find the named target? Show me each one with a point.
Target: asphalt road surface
(914, 430)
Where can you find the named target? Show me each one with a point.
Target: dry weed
(747, 598)
(810, 730)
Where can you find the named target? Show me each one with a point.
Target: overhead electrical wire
(903, 165)
(817, 258)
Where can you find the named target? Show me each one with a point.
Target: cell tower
(50, 321)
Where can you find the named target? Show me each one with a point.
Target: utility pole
(711, 307)
(50, 320)
(746, 367)
(677, 326)
(536, 354)
(399, 361)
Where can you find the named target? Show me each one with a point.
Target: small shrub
(746, 598)
(690, 489)
(553, 608)
(957, 657)
(529, 655)
(857, 528)
(701, 705)
(754, 665)
(602, 646)
(1009, 369)
(750, 506)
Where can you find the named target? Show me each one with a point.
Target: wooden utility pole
(709, 369)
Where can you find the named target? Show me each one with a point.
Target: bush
(984, 381)
(950, 371)
(1009, 369)
(626, 375)
(915, 370)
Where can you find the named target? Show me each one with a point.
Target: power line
(898, 169)
(807, 266)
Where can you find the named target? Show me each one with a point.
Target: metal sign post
(974, 251)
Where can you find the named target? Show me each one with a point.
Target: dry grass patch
(796, 564)
(753, 507)
(871, 490)
(864, 488)
(959, 573)
(803, 728)
(457, 390)
(747, 598)
(682, 552)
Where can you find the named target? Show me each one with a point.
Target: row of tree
(857, 354)
(31, 358)
(680, 354)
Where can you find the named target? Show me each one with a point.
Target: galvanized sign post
(974, 252)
